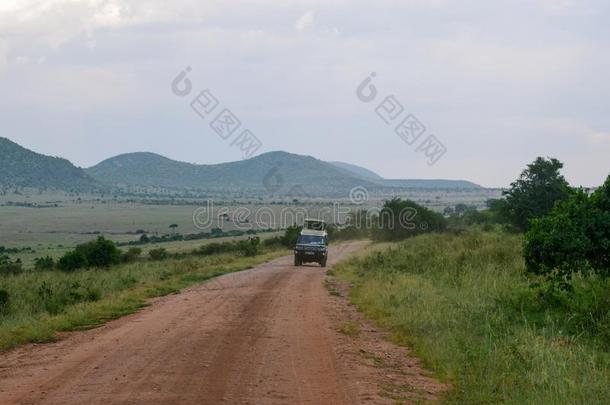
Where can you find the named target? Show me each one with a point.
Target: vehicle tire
(323, 262)
(297, 261)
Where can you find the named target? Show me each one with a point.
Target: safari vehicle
(312, 244)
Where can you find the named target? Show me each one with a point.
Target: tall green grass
(465, 305)
(41, 303)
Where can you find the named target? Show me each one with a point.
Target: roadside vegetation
(509, 305)
(465, 303)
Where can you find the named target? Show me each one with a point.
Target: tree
(71, 261)
(100, 252)
(291, 235)
(539, 187)
(574, 237)
(400, 219)
(173, 227)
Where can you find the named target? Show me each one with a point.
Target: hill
(274, 172)
(22, 167)
(432, 184)
(359, 171)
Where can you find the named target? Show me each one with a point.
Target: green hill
(274, 172)
(359, 171)
(431, 184)
(24, 168)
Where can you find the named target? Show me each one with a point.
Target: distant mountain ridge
(272, 173)
(360, 171)
(22, 167)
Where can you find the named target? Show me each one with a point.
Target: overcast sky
(497, 82)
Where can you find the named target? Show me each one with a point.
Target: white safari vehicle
(312, 245)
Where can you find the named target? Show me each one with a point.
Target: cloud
(101, 68)
(305, 21)
(599, 138)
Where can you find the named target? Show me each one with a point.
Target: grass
(44, 303)
(465, 305)
(350, 328)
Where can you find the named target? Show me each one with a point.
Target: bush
(249, 247)
(216, 247)
(574, 237)
(44, 263)
(71, 261)
(4, 302)
(158, 254)
(10, 267)
(400, 219)
(96, 253)
(131, 255)
(291, 235)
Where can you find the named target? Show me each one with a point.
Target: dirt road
(262, 336)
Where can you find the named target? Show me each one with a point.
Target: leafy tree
(173, 227)
(71, 261)
(100, 252)
(573, 237)
(539, 187)
(291, 235)
(400, 219)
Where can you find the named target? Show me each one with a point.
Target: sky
(495, 83)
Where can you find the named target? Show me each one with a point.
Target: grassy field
(42, 303)
(75, 218)
(464, 304)
(185, 246)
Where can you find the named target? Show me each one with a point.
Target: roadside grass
(466, 307)
(42, 303)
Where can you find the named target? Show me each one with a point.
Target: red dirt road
(262, 336)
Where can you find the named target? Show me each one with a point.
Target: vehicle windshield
(311, 240)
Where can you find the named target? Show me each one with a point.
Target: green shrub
(71, 261)
(249, 247)
(4, 302)
(216, 247)
(573, 238)
(400, 219)
(131, 254)
(44, 263)
(100, 252)
(8, 267)
(158, 254)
